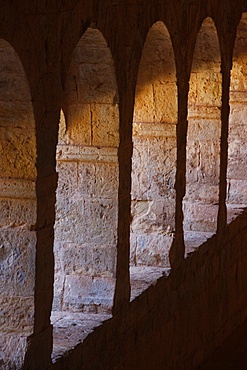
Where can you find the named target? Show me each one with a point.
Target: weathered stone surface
(87, 165)
(151, 216)
(153, 249)
(84, 293)
(105, 122)
(200, 216)
(204, 298)
(204, 132)
(17, 188)
(12, 351)
(154, 152)
(237, 192)
(17, 213)
(58, 288)
(67, 179)
(237, 149)
(79, 129)
(98, 180)
(83, 324)
(141, 277)
(206, 194)
(17, 152)
(88, 259)
(19, 320)
(17, 262)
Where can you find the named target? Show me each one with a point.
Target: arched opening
(154, 157)
(17, 208)
(201, 200)
(87, 192)
(237, 139)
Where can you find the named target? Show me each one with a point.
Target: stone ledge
(154, 129)
(18, 188)
(79, 153)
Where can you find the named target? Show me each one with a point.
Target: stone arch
(87, 193)
(201, 200)
(17, 208)
(154, 153)
(237, 147)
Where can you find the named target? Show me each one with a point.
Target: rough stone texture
(86, 208)
(154, 152)
(167, 322)
(204, 130)
(236, 172)
(166, 309)
(18, 210)
(12, 351)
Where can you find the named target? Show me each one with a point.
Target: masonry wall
(204, 130)
(87, 193)
(177, 322)
(17, 207)
(154, 152)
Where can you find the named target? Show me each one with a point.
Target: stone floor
(193, 240)
(70, 329)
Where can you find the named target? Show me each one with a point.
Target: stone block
(234, 147)
(17, 262)
(106, 181)
(204, 193)
(12, 86)
(153, 129)
(67, 179)
(100, 221)
(133, 245)
(204, 129)
(153, 250)
(98, 180)
(105, 125)
(237, 115)
(144, 104)
(10, 359)
(81, 291)
(200, 217)
(15, 188)
(206, 87)
(59, 279)
(153, 170)
(207, 44)
(18, 213)
(160, 72)
(165, 103)
(86, 179)
(90, 260)
(18, 153)
(140, 174)
(206, 113)
(152, 216)
(237, 169)
(203, 161)
(237, 192)
(79, 124)
(16, 315)
(16, 114)
(69, 225)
